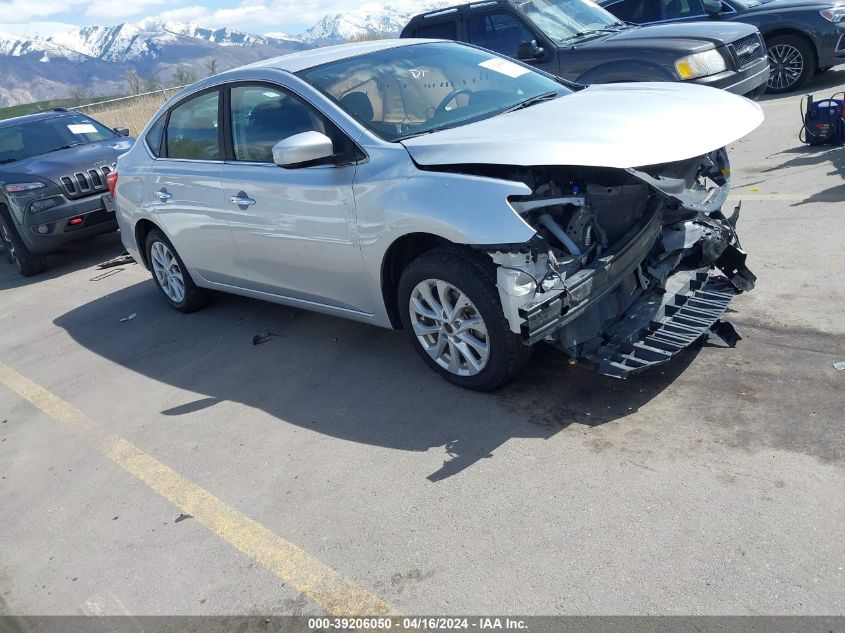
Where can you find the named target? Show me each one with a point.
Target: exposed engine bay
(628, 266)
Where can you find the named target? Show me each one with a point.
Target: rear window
(192, 128)
(155, 135)
(438, 31)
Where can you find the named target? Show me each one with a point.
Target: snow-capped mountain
(146, 39)
(12, 46)
(98, 58)
(371, 19)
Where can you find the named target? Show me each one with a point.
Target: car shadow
(812, 156)
(75, 256)
(344, 379)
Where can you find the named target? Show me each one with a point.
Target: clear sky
(28, 17)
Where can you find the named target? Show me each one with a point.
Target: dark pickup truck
(54, 171)
(581, 42)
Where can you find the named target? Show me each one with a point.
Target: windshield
(421, 88)
(563, 20)
(25, 140)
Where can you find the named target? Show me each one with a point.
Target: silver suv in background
(477, 203)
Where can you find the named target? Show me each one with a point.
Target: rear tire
(17, 253)
(171, 277)
(792, 62)
(460, 330)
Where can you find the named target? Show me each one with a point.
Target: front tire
(792, 62)
(17, 253)
(451, 310)
(171, 277)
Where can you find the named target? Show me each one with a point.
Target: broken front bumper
(640, 305)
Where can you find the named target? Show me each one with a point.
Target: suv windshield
(32, 138)
(410, 90)
(563, 20)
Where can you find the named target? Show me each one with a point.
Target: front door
(295, 229)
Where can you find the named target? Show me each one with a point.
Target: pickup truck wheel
(792, 63)
(171, 277)
(451, 311)
(27, 262)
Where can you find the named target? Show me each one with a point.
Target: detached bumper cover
(664, 291)
(661, 325)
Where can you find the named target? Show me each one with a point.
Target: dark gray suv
(54, 172)
(581, 42)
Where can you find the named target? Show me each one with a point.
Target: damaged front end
(628, 266)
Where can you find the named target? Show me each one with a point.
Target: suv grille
(86, 183)
(749, 50)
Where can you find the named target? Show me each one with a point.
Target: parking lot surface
(167, 465)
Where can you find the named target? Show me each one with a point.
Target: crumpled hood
(608, 125)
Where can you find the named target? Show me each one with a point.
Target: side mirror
(123, 131)
(712, 7)
(529, 50)
(301, 149)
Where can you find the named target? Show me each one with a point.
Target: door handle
(241, 201)
(163, 195)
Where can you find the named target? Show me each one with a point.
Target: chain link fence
(133, 112)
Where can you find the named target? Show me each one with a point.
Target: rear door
(295, 228)
(185, 191)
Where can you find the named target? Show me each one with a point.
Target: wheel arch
(399, 254)
(142, 230)
(795, 32)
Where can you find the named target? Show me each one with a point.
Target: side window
(499, 32)
(674, 9)
(263, 115)
(155, 135)
(192, 129)
(636, 11)
(446, 30)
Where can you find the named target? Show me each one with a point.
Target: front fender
(626, 70)
(393, 198)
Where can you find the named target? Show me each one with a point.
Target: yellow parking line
(320, 583)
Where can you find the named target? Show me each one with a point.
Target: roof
(295, 62)
(27, 118)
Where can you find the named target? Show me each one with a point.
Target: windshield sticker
(82, 128)
(504, 67)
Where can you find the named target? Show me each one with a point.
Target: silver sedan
(482, 206)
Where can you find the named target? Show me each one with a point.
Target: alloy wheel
(167, 271)
(449, 327)
(787, 64)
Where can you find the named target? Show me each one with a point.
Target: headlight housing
(23, 187)
(700, 64)
(834, 14)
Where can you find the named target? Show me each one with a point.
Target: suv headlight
(23, 187)
(700, 64)
(834, 14)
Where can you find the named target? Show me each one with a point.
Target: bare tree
(151, 84)
(371, 37)
(183, 75)
(212, 66)
(135, 82)
(79, 93)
